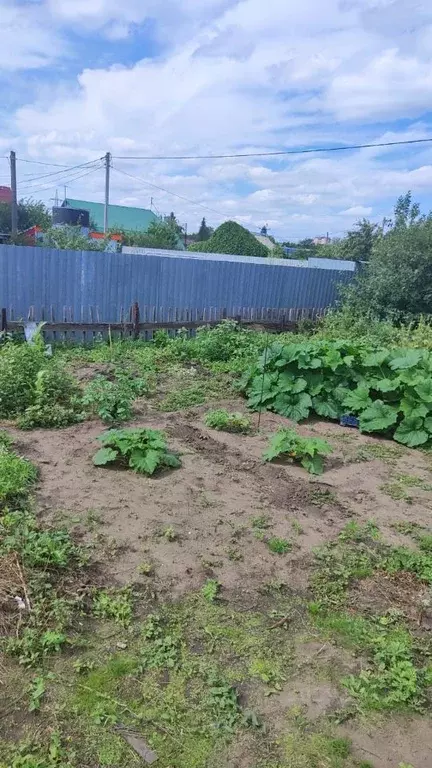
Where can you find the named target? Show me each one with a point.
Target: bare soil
(210, 504)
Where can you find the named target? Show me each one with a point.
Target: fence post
(4, 320)
(135, 320)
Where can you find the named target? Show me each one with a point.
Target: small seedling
(83, 666)
(228, 422)
(36, 690)
(279, 546)
(260, 523)
(146, 569)
(114, 604)
(169, 534)
(234, 554)
(297, 527)
(210, 590)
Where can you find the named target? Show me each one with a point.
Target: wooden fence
(142, 322)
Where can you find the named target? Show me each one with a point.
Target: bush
(56, 400)
(112, 400)
(232, 238)
(16, 476)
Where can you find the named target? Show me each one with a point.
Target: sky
(79, 78)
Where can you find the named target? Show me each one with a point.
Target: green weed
(56, 400)
(228, 422)
(16, 477)
(279, 546)
(114, 604)
(211, 590)
(112, 400)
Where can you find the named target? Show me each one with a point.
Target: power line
(39, 162)
(174, 194)
(35, 179)
(277, 153)
(59, 182)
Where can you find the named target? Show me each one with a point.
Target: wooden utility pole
(107, 189)
(14, 201)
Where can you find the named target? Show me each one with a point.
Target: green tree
(397, 282)
(160, 234)
(204, 232)
(230, 237)
(31, 213)
(71, 239)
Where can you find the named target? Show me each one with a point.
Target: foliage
(160, 234)
(16, 476)
(56, 400)
(204, 232)
(19, 365)
(143, 450)
(231, 237)
(228, 422)
(309, 451)
(279, 546)
(114, 604)
(31, 213)
(70, 238)
(112, 400)
(388, 389)
(52, 754)
(211, 590)
(38, 547)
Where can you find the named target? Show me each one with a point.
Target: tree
(397, 281)
(204, 232)
(230, 237)
(71, 239)
(31, 213)
(160, 234)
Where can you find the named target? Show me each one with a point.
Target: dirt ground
(210, 504)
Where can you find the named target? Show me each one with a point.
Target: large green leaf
(358, 399)
(295, 407)
(386, 385)
(104, 456)
(378, 417)
(171, 460)
(424, 390)
(313, 464)
(145, 461)
(315, 382)
(375, 359)
(411, 432)
(328, 407)
(411, 407)
(409, 359)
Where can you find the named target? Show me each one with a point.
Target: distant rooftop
(121, 216)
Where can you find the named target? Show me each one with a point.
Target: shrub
(228, 422)
(19, 364)
(16, 476)
(56, 400)
(112, 400)
(143, 450)
(232, 238)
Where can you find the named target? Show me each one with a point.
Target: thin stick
(281, 622)
(262, 384)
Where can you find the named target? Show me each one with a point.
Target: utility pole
(107, 189)
(14, 202)
(185, 235)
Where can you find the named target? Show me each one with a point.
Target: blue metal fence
(90, 286)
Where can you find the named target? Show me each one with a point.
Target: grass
(279, 546)
(380, 450)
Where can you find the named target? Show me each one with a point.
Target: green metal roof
(118, 215)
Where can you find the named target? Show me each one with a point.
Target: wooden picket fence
(142, 322)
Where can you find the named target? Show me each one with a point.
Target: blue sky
(143, 77)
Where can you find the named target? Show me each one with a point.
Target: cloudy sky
(79, 78)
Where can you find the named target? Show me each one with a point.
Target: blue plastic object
(349, 421)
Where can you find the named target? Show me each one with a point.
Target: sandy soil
(210, 503)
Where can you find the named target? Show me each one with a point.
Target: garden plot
(232, 613)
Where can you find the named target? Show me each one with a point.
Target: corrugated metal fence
(90, 286)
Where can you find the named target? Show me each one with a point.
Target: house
(119, 216)
(264, 240)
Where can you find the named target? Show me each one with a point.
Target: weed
(38, 548)
(309, 451)
(407, 528)
(425, 542)
(143, 450)
(261, 522)
(303, 749)
(169, 534)
(35, 644)
(234, 554)
(93, 519)
(146, 569)
(279, 546)
(353, 531)
(52, 754)
(297, 527)
(228, 422)
(56, 400)
(16, 477)
(36, 691)
(114, 604)
(6, 442)
(112, 400)
(396, 491)
(19, 365)
(380, 450)
(211, 589)
(83, 666)
(185, 398)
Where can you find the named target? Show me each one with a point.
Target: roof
(121, 216)
(264, 240)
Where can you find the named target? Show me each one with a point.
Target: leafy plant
(114, 604)
(309, 451)
(16, 476)
(56, 400)
(143, 450)
(228, 422)
(211, 590)
(19, 365)
(38, 547)
(112, 400)
(279, 546)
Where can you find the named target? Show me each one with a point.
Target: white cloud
(240, 76)
(25, 40)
